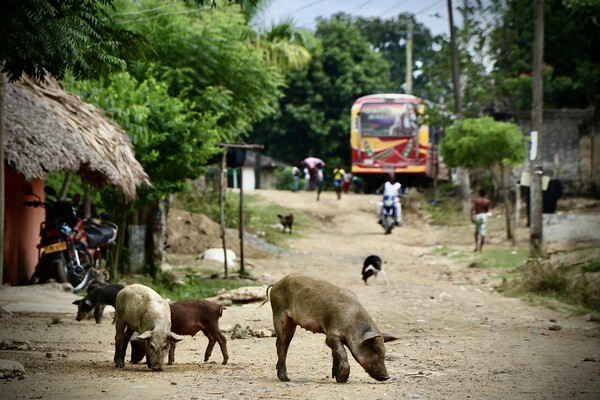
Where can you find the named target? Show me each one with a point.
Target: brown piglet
(188, 317)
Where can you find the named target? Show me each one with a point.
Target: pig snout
(380, 377)
(156, 367)
(377, 370)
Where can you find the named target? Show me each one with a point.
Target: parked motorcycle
(60, 255)
(99, 235)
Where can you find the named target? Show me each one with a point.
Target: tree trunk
(159, 231)
(2, 181)
(535, 234)
(65, 187)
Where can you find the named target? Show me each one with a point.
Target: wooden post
(535, 157)
(2, 181)
(222, 183)
(241, 224)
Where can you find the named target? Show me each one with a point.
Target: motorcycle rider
(390, 188)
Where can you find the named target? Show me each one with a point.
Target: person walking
(338, 176)
(319, 180)
(479, 216)
(306, 172)
(296, 176)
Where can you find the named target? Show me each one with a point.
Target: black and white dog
(371, 267)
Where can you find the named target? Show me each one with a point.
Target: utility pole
(409, 60)
(537, 119)
(455, 68)
(462, 173)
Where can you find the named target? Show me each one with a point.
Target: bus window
(391, 120)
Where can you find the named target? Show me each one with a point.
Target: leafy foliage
(571, 49)
(482, 143)
(206, 57)
(314, 112)
(172, 141)
(40, 36)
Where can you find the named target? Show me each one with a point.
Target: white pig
(141, 309)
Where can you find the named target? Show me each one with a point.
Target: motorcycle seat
(98, 234)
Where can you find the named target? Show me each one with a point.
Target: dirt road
(459, 339)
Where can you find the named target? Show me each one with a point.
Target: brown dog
(287, 221)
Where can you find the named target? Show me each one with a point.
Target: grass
(572, 278)
(259, 217)
(262, 217)
(188, 283)
(505, 258)
(446, 207)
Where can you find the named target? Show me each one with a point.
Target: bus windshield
(388, 119)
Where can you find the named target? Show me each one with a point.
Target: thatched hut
(48, 129)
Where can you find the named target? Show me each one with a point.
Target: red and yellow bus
(387, 136)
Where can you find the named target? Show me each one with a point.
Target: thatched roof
(49, 129)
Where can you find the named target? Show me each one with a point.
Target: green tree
(572, 49)
(484, 143)
(208, 58)
(285, 47)
(314, 112)
(388, 37)
(177, 105)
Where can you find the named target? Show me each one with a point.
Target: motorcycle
(60, 255)
(99, 235)
(388, 217)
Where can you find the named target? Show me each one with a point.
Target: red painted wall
(22, 224)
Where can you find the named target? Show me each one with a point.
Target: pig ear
(144, 336)
(76, 302)
(370, 335)
(87, 302)
(173, 337)
(388, 338)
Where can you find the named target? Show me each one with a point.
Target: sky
(431, 13)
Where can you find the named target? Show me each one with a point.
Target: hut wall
(22, 228)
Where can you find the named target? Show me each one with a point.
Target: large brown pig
(141, 309)
(187, 318)
(321, 307)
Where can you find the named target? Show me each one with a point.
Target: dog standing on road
(287, 221)
(371, 267)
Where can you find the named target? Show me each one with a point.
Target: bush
(284, 179)
(566, 281)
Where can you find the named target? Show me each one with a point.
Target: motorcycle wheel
(68, 270)
(388, 224)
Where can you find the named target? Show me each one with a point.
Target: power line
(429, 7)
(401, 2)
(309, 5)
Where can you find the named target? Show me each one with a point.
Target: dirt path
(458, 338)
